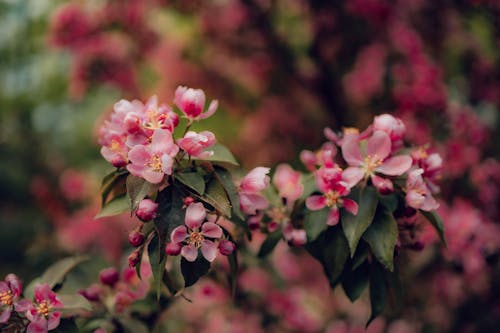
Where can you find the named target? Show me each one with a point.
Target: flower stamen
(6, 297)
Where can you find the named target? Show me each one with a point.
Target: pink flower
(10, 290)
(42, 312)
(153, 161)
(192, 102)
(375, 161)
(147, 210)
(432, 164)
(162, 116)
(253, 183)
(115, 151)
(193, 238)
(287, 181)
(329, 182)
(418, 195)
(394, 127)
(296, 237)
(195, 143)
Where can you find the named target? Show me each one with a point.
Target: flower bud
(147, 210)
(133, 259)
(188, 201)
(226, 247)
(92, 293)
(109, 276)
(173, 249)
(136, 238)
(14, 284)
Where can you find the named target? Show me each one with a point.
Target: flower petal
(5, 315)
(383, 185)
(210, 111)
(38, 325)
(209, 250)
(139, 155)
(315, 202)
(54, 319)
(396, 165)
(352, 176)
(379, 144)
(179, 234)
(211, 230)
(333, 216)
(195, 215)
(351, 151)
(351, 206)
(190, 252)
(255, 181)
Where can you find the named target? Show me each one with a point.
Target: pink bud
(273, 226)
(136, 238)
(173, 249)
(147, 210)
(133, 259)
(188, 201)
(109, 276)
(226, 247)
(92, 293)
(14, 283)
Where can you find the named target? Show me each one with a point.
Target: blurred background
(282, 70)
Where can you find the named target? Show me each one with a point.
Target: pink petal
(396, 165)
(255, 181)
(429, 203)
(195, 215)
(383, 185)
(211, 110)
(211, 230)
(379, 144)
(173, 249)
(250, 203)
(351, 206)
(190, 252)
(5, 315)
(315, 202)
(179, 234)
(54, 319)
(351, 151)
(139, 155)
(161, 141)
(23, 305)
(37, 326)
(151, 176)
(333, 217)
(166, 164)
(352, 176)
(342, 188)
(414, 199)
(209, 250)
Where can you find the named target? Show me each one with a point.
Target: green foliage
(315, 223)
(116, 206)
(157, 260)
(382, 236)
(138, 189)
(193, 271)
(270, 243)
(436, 222)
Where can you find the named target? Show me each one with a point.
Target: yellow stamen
(195, 238)
(6, 297)
(155, 163)
(371, 163)
(115, 146)
(43, 308)
(332, 198)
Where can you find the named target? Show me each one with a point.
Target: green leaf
(170, 212)
(225, 178)
(74, 302)
(378, 291)
(355, 281)
(355, 225)
(315, 223)
(216, 196)
(270, 243)
(116, 206)
(382, 236)
(360, 256)
(233, 271)
(335, 254)
(309, 184)
(193, 271)
(221, 154)
(56, 273)
(138, 189)
(193, 180)
(132, 325)
(436, 222)
(390, 201)
(110, 182)
(157, 259)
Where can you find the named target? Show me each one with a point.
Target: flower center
(332, 198)
(372, 163)
(115, 145)
(43, 308)
(277, 214)
(195, 238)
(155, 163)
(6, 297)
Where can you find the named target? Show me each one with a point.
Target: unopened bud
(173, 249)
(109, 276)
(133, 259)
(226, 247)
(147, 210)
(136, 238)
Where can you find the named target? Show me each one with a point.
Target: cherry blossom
(42, 313)
(192, 102)
(195, 143)
(10, 290)
(418, 194)
(250, 187)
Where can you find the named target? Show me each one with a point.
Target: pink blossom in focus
(42, 313)
(250, 187)
(195, 143)
(394, 127)
(10, 290)
(147, 210)
(152, 162)
(193, 238)
(418, 195)
(375, 161)
(192, 102)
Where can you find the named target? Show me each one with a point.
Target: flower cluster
(41, 314)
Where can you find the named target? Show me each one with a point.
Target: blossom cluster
(41, 314)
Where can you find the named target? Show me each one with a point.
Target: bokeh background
(282, 70)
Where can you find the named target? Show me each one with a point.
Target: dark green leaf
(361, 254)
(315, 223)
(382, 236)
(170, 212)
(157, 259)
(193, 271)
(56, 273)
(132, 325)
(390, 201)
(193, 180)
(233, 271)
(138, 189)
(74, 302)
(270, 243)
(225, 178)
(436, 222)
(354, 282)
(355, 225)
(116, 206)
(221, 154)
(335, 254)
(216, 196)
(309, 184)
(378, 291)
(110, 182)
